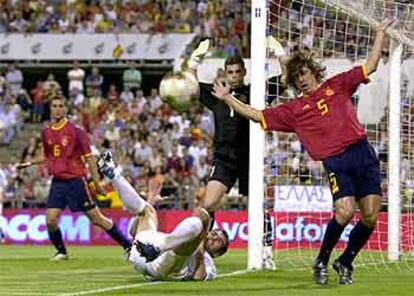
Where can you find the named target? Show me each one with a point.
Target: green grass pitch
(25, 270)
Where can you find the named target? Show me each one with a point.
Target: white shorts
(168, 266)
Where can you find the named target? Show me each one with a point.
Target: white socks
(186, 231)
(132, 201)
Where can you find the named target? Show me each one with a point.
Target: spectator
(51, 83)
(154, 100)
(113, 96)
(132, 78)
(76, 76)
(14, 79)
(94, 82)
(127, 96)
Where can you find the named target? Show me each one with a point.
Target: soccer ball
(179, 90)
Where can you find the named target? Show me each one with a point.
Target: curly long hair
(301, 59)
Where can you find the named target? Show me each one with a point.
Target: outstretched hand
(220, 91)
(382, 28)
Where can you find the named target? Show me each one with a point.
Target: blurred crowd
(156, 146)
(329, 32)
(226, 22)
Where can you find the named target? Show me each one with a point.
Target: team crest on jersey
(306, 107)
(329, 92)
(65, 141)
(49, 142)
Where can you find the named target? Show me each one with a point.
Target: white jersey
(170, 266)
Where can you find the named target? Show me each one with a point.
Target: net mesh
(341, 33)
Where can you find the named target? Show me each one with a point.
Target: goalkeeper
(324, 119)
(231, 140)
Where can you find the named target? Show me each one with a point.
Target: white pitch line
(122, 287)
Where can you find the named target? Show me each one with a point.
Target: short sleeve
(279, 118)
(83, 142)
(206, 97)
(349, 81)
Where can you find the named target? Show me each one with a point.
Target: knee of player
(52, 225)
(52, 222)
(370, 220)
(344, 215)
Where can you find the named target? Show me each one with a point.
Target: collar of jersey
(59, 125)
(316, 90)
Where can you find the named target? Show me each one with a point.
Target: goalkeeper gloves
(198, 54)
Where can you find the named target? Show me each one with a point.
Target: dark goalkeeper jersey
(231, 136)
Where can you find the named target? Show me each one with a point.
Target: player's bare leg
(55, 235)
(98, 219)
(370, 207)
(214, 193)
(344, 211)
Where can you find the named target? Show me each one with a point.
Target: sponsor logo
(298, 230)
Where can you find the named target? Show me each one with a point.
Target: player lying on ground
(186, 253)
(326, 122)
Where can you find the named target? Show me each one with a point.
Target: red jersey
(64, 145)
(326, 121)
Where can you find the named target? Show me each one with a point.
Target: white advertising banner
(302, 199)
(93, 46)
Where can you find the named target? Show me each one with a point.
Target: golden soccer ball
(179, 90)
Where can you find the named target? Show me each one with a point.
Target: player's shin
(331, 237)
(117, 235)
(55, 236)
(357, 239)
(131, 199)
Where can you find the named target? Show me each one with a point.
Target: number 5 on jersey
(322, 106)
(334, 183)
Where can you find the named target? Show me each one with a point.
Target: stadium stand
(154, 144)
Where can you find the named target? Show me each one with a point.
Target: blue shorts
(73, 193)
(354, 172)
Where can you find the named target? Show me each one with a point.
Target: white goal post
(362, 16)
(257, 139)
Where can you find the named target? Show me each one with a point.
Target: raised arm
(376, 51)
(223, 93)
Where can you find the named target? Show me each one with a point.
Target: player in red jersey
(325, 121)
(65, 148)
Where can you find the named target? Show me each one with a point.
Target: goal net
(341, 33)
